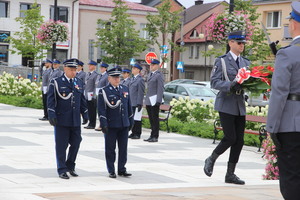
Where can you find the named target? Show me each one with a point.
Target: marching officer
(66, 102)
(101, 82)
(80, 73)
(126, 77)
(45, 83)
(90, 94)
(56, 72)
(155, 83)
(284, 110)
(230, 103)
(136, 90)
(116, 118)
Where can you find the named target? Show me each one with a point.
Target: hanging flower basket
(220, 25)
(51, 32)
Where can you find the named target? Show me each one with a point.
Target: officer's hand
(139, 107)
(53, 121)
(275, 140)
(105, 129)
(235, 86)
(84, 121)
(157, 104)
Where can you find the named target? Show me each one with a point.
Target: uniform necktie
(117, 89)
(237, 62)
(71, 80)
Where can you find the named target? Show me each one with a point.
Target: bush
(26, 101)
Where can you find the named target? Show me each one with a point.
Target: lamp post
(55, 19)
(231, 8)
(201, 36)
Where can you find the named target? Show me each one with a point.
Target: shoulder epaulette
(222, 56)
(285, 47)
(245, 58)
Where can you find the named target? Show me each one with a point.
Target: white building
(10, 9)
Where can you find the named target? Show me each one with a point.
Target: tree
(163, 25)
(118, 37)
(25, 42)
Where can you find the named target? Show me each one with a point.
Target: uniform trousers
(153, 113)
(44, 96)
(289, 165)
(92, 110)
(120, 136)
(233, 128)
(65, 136)
(137, 125)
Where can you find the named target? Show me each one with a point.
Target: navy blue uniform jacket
(67, 111)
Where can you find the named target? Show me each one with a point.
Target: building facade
(10, 9)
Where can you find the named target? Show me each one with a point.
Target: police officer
(136, 90)
(116, 118)
(56, 72)
(80, 73)
(155, 83)
(90, 94)
(45, 83)
(230, 103)
(126, 77)
(101, 82)
(66, 102)
(283, 121)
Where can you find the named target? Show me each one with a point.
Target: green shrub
(24, 101)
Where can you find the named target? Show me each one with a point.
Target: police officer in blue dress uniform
(45, 82)
(126, 77)
(116, 118)
(66, 102)
(284, 110)
(80, 73)
(101, 82)
(230, 103)
(137, 91)
(90, 94)
(155, 90)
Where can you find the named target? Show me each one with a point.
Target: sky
(185, 3)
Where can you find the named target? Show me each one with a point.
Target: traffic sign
(149, 56)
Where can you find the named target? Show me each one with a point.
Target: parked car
(194, 91)
(186, 81)
(262, 100)
(206, 84)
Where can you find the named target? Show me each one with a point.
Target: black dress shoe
(153, 140)
(98, 129)
(124, 174)
(44, 119)
(89, 127)
(73, 173)
(146, 140)
(64, 176)
(135, 137)
(112, 175)
(131, 135)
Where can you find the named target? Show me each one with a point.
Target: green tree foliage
(24, 42)
(163, 25)
(118, 37)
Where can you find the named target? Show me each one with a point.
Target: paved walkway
(171, 169)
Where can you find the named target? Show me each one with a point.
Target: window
(170, 88)
(191, 52)
(143, 33)
(286, 33)
(194, 34)
(3, 53)
(180, 90)
(91, 49)
(61, 54)
(197, 52)
(273, 19)
(62, 13)
(100, 52)
(3, 9)
(23, 8)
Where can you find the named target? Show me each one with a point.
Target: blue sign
(164, 49)
(132, 61)
(180, 66)
(4, 35)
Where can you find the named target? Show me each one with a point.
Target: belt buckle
(238, 92)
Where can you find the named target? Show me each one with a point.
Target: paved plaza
(171, 169)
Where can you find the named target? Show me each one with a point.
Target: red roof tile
(111, 4)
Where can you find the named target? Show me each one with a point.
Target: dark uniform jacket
(120, 116)
(66, 109)
(284, 114)
(227, 101)
(137, 90)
